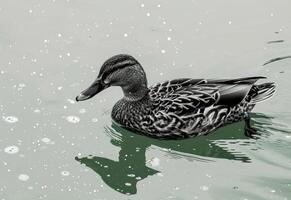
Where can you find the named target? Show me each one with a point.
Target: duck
(179, 108)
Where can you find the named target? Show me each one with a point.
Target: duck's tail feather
(263, 91)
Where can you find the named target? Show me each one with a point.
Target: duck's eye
(106, 81)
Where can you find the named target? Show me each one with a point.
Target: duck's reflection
(123, 175)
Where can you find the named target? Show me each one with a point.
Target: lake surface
(53, 148)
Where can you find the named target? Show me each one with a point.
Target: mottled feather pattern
(184, 108)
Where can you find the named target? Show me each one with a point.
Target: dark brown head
(120, 70)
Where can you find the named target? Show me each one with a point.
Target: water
(54, 148)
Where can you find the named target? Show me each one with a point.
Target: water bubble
(36, 111)
(46, 140)
(131, 175)
(204, 188)
(71, 101)
(127, 184)
(11, 149)
(82, 110)
(21, 85)
(73, 119)
(23, 177)
(65, 173)
(94, 120)
(10, 119)
(163, 51)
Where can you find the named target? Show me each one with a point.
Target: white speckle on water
(142, 5)
(273, 191)
(59, 35)
(204, 188)
(148, 14)
(21, 85)
(94, 120)
(127, 184)
(11, 149)
(36, 111)
(10, 119)
(60, 87)
(71, 101)
(169, 38)
(82, 110)
(209, 176)
(23, 177)
(125, 35)
(131, 175)
(73, 119)
(163, 51)
(155, 162)
(160, 174)
(65, 173)
(288, 136)
(229, 22)
(46, 140)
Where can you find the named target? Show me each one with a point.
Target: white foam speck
(160, 174)
(65, 173)
(94, 120)
(155, 162)
(82, 110)
(21, 85)
(163, 51)
(131, 175)
(37, 111)
(46, 140)
(71, 101)
(127, 184)
(73, 119)
(125, 35)
(204, 188)
(11, 149)
(23, 177)
(10, 119)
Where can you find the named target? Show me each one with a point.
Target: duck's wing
(200, 93)
(183, 96)
(180, 105)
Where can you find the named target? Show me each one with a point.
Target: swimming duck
(178, 108)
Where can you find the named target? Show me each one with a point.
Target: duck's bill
(91, 91)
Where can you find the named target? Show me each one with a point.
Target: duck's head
(120, 70)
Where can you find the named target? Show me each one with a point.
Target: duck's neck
(135, 91)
